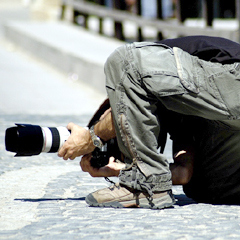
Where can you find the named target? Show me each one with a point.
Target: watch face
(96, 143)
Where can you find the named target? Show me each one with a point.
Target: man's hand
(79, 143)
(111, 170)
(182, 168)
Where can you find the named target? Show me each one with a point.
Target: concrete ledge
(68, 48)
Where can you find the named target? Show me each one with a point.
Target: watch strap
(97, 142)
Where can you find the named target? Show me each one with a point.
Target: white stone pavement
(42, 197)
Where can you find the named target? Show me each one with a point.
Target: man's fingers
(69, 155)
(111, 160)
(70, 125)
(72, 157)
(62, 152)
(112, 169)
(85, 162)
(86, 167)
(65, 154)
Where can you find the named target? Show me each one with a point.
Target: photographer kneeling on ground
(187, 87)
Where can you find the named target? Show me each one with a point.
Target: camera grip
(99, 158)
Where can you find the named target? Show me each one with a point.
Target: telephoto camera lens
(28, 140)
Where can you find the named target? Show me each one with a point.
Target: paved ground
(42, 197)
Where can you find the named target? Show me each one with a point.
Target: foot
(118, 196)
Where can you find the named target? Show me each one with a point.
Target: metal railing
(96, 8)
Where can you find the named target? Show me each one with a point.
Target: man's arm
(105, 127)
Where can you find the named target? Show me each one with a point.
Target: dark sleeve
(214, 49)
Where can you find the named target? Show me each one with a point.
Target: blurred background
(73, 27)
(130, 20)
(155, 19)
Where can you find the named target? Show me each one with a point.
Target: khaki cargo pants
(138, 76)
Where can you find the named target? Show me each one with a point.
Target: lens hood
(24, 139)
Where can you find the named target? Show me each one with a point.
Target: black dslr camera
(29, 140)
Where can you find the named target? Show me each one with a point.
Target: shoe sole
(158, 203)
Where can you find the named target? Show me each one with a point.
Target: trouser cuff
(134, 178)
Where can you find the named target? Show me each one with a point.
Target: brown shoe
(118, 196)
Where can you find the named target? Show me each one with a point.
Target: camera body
(29, 140)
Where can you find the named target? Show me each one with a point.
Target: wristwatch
(96, 140)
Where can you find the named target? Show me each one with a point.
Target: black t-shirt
(216, 177)
(214, 49)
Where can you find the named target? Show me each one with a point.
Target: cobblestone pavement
(43, 197)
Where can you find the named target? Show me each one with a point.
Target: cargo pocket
(161, 85)
(188, 76)
(228, 84)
